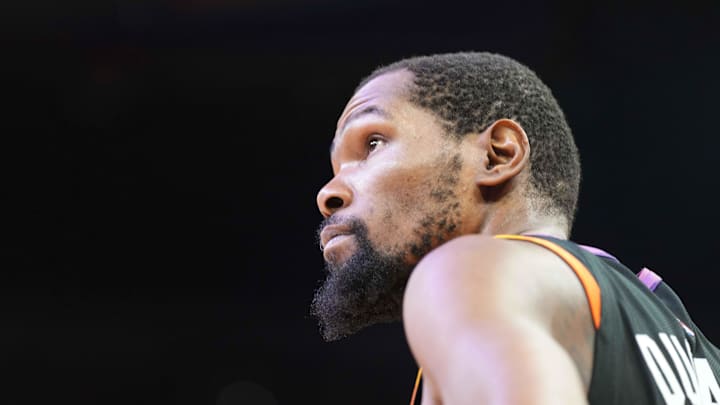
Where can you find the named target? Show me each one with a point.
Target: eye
(373, 142)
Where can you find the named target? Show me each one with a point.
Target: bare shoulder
(503, 269)
(475, 283)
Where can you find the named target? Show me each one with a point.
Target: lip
(336, 248)
(330, 232)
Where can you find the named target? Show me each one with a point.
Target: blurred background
(160, 161)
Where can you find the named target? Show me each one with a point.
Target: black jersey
(647, 348)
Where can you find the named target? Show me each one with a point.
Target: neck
(549, 230)
(524, 220)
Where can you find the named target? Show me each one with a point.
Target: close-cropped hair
(468, 91)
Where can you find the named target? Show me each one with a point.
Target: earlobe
(507, 150)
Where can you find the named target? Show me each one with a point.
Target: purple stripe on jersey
(599, 252)
(649, 278)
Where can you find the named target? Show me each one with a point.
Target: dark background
(160, 161)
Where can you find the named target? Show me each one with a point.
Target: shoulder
(473, 284)
(504, 270)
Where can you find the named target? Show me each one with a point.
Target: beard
(368, 287)
(365, 289)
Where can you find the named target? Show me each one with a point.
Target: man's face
(401, 187)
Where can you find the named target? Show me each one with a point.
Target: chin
(365, 289)
(363, 285)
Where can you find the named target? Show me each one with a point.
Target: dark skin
(488, 320)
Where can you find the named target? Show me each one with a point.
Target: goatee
(365, 289)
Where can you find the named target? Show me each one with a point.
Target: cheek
(399, 188)
(402, 198)
(392, 180)
(400, 201)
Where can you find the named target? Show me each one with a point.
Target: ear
(508, 152)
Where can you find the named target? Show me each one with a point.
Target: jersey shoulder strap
(590, 285)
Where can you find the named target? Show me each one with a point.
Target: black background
(160, 161)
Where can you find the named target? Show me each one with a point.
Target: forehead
(379, 94)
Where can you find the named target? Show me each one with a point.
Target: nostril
(334, 203)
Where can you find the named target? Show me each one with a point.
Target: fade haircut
(468, 91)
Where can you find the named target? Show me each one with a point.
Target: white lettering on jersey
(684, 367)
(660, 370)
(699, 384)
(708, 382)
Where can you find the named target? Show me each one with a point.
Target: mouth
(334, 242)
(332, 234)
(338, 248)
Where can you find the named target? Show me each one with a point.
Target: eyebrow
(369, 110)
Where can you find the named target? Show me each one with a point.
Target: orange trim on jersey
(590, 285)
(417, 384)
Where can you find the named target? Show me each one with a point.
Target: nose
(333, 196)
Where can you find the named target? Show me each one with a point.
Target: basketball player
(455, 185)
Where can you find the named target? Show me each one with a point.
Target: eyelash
(372, 141)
